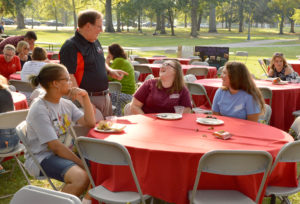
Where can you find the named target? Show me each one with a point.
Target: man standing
(83, 56)
(9, 62)
(29, 37)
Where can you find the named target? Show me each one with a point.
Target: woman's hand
(76, 92)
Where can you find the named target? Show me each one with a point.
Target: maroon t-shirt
(160, 100)
(10, 40)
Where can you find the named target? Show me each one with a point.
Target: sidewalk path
(254, 43)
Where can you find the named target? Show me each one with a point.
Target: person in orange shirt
(9, 62)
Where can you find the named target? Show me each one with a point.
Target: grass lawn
(145, 39)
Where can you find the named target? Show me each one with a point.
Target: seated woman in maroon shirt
(161, 94)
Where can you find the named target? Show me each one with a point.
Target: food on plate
(221, 134)
(276, 80)
(104, 125)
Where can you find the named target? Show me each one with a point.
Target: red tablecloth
(212, 71)
(285, 100)
(295, 64)
(165, 155)
(20, 101)
(181, 60)
(50, 54)
(15, 76)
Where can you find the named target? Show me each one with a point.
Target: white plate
(281, 83)
(169, 116)
(114, 130)
(209, 121)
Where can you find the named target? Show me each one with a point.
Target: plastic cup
(179, 109)
(111, 120)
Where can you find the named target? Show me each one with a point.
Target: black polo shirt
(86, 61)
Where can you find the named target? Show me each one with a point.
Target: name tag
(99, 50)
(174, 96)
(238, 107)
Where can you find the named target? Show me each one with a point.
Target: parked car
(8, 21)
(30, 21)
(53, 23)
(148, 24)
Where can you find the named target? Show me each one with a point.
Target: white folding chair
(290, 152)
(267, 94)
(199, 63)
(265, 118)
(263, 66)
(241, 54)
(22, 133)
(136, 76)
(33, 194)
(134, 62)
(10, 120)
(143, 69)
(158, 61)
(220, 71)
(21, 86)
(199, 90)
(198, 71)
(189, 78)
(141, 60)
(109, 153)
(115, 87)
(234, 163)
(295, 129)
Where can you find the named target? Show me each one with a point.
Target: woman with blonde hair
(161, 94)
(238, 97)
(23, 52)
(280, 68)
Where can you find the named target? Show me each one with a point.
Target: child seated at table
(280, 68)
(238, 97)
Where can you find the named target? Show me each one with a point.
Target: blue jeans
(8, 140)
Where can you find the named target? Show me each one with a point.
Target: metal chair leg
(273, 199)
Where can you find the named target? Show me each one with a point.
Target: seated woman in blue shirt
(238, 97)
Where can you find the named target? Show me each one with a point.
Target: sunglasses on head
(278, 54)
(168, 64)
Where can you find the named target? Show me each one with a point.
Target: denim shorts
(56, 167)
(8, 140)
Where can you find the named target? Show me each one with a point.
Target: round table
(165, 155)
(285, 99)
(20, 101)
(295, 64)
(15, 76)
(212, 71)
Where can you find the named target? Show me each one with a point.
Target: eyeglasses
(7, 55)
(66, 79)
(168, 64)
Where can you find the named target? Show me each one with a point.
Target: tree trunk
(163, 23)
(194, 7)
(185, 20)
(199, 20)
(158, 21)
(118, 18)
(241, 15)
(171, 21)
(281, 24)
(292, 30)
(56, 20)
(20, 18)
(212, 18)
(109, 27)
(127, 25)
(74, 15)
(139, 21)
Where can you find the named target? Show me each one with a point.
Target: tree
(241, 15)
(194, 8)
(109, 27)
(212, 17)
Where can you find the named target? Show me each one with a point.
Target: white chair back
(33, 194)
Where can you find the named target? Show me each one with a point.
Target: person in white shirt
(39, 55)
